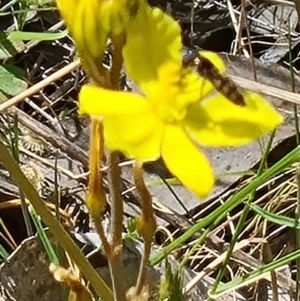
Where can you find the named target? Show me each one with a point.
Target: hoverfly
(222, 83)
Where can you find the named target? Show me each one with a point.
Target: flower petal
(94, 100)
(192, 88)
(153, 38)
(138, 136)
(83, 23)
(219, 122)
(67, 9)
(187, 162)
(115, 15)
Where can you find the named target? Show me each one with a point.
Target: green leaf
(3, 97)
(272, 266)
(171, 286)
(36, 36)
(9, 48)
(10, 82)
(3, 254)
(275, 218)
(18, 72)
(39, 2)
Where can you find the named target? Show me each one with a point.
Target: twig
(40, 85)
(267, 90)
(237, 27)
(55, 123)
(297, 7)
(67, 147)
(244, 16)
(17, 203)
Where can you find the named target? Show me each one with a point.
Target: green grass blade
(275, 218)
(55, 227)
(43, 236)
(221, 212)
(252, 275)
(3, 253)
(36, 36)
(243, 217)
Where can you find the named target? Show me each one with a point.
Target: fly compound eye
(189, 57)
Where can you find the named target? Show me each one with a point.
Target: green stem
(55, 227)
(221, 212)
(242, 219)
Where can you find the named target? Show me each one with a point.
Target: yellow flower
(91, 21)
(81, 17)
(177, 111)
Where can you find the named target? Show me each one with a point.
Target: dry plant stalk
(96, 202)
(146, 225)
(71, 277)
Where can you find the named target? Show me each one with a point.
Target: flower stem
(96, 200)
(116, 200)
(96, 71)
(115, 258)
(117, 59)
(146, 224)
(143, 268)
